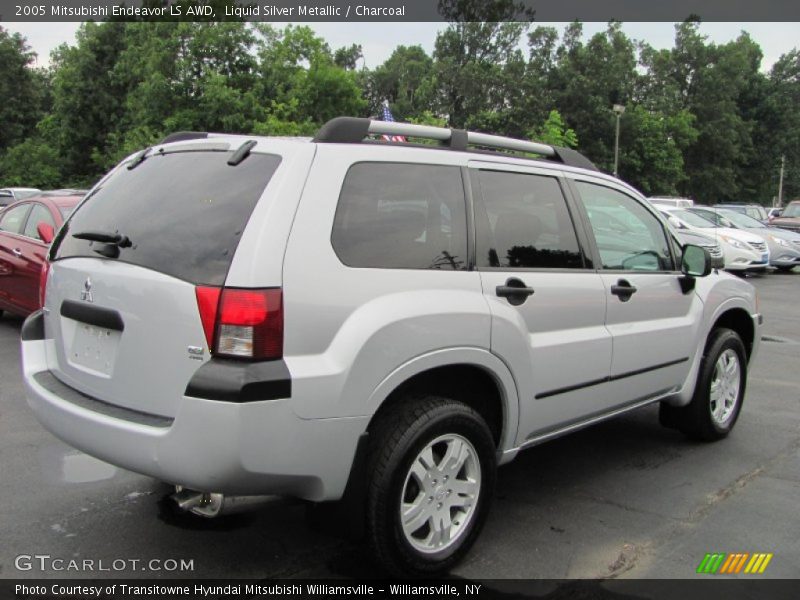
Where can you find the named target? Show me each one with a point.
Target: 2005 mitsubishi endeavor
(379, 322)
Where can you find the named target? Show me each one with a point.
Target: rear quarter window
(401, 216)
(184, 212)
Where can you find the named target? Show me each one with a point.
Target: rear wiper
(121, 241)
(111, 242)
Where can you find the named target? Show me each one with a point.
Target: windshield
(692, 219)
(793, 210)
(741, 220)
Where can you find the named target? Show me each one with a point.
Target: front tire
(431, 477)
(719, 394)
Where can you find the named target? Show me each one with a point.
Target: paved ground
(623, 499)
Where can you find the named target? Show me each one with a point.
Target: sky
(379, 39)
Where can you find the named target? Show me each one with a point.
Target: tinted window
(629, 237)
(184, 212)
(39, 214)
(13, 219)
(401, 216)
(524, 223)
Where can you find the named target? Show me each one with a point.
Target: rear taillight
(43, 282)
(242, 323)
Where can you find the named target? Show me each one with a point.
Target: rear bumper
(252, 448)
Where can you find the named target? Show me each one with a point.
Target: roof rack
(353, 130)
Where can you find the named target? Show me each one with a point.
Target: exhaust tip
(211, 505)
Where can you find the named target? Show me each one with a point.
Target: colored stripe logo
(721, 563)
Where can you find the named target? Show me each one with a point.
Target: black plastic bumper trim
(234, 381)
(92, 315)
(33, 327)
(54, 385)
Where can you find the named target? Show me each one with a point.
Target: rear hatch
(124, 313)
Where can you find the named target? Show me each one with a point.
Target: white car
(671, 201)
(12, 194)
(743, 251)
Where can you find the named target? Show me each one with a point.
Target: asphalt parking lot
(626, 498)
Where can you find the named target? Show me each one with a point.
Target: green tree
(555, 132)
(477, 66)
(23, 90)
(651, 149)
(298, 72)
(347, 57)
(586, 80)
(403, 80)
(32, 163)
(722, 87)
(87, 101)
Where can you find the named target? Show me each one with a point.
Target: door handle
(514, 290)
(623, 289)
(17, 252)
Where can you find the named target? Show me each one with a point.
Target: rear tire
(719, 394)
(431, 474)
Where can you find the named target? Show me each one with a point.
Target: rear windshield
(183, 212)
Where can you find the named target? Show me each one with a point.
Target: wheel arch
(740, 321)
(732, 315)
(473, 376)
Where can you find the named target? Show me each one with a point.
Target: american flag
(386, 115)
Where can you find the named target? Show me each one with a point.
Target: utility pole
(780, 181)
(618, 110)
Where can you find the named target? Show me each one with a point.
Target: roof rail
(182, 136)
(353, 130)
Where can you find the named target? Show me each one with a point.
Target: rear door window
(184, 212)
(401, 216)
(523, 222)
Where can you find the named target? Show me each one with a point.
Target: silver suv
(376, 323)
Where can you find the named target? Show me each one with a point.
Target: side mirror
(46, 232)
(725, 223)
(695, 261)
(675, 222)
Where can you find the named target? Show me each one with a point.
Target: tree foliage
(701, 119)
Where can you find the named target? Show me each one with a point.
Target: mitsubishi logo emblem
(86, 294)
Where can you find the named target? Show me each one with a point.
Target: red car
(26, 229)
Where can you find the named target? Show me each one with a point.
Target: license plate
(764, 257)
(94, 348)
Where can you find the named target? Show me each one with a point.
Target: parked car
(784, 245)
(671, 201)
(12, 194)
(26, 230)
(744, 252)
(307, 331)
(790, 217)
(704, 241)
(65, 192)
(755, 211)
